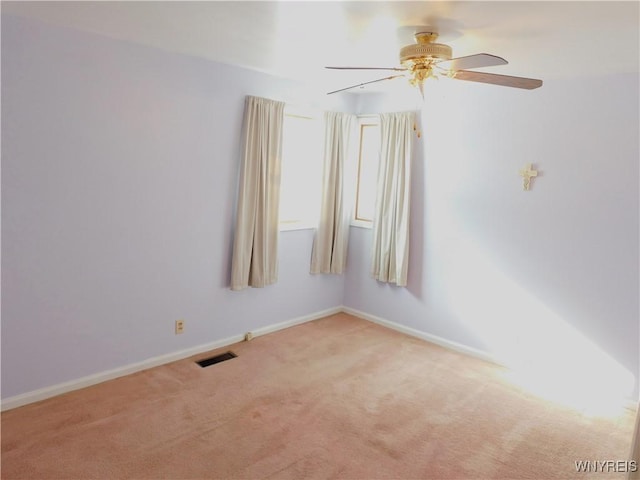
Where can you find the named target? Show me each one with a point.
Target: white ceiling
(542, 39)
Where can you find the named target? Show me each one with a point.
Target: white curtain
(329, 253)
(255, 246)
(390, 250)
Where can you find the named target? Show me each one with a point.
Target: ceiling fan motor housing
(425, 49)
(435, 50)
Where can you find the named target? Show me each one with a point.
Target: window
(368, 160)
(301, 170)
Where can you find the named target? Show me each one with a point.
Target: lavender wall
(513, 273)
(119, 172)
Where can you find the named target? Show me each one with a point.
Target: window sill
(288, 227)
(362, 224)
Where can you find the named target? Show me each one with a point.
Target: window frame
(363, 121)
(315, 116)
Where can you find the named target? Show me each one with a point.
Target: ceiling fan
(428, 59)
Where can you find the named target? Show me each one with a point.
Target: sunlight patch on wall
(543, 352)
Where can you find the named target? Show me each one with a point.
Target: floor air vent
(217, 359)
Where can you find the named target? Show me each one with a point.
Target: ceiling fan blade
(472, 61)
(366, 83)
(503, 80)
(368, 68)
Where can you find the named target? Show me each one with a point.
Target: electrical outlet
(248, 336)
(179, 326)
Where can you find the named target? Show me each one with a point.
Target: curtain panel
(390, 247)
(329, 254)
(255, 246)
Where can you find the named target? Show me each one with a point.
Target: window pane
(300, 175)
(368, 160)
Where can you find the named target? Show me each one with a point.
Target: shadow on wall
(543, 352)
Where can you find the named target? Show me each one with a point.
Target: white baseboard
(296, 321)
(54, 390)
(60, 388)
(629, 402)
(457, 347)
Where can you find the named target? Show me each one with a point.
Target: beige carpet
(335, 398)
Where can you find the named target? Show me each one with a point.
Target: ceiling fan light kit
(420, 58)
(428, 59)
